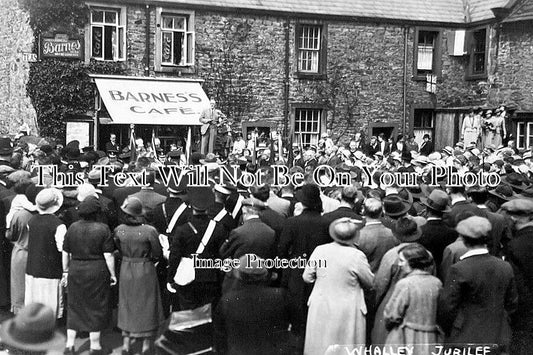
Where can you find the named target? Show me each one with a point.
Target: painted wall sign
(61, 46)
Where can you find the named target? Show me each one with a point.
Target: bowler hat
(437, 201)
(132, 206)
(309, 196)
(200, 198)
(395, 206)
(49, 201)
(344, 230)
(474, 227)
(6, 146)
(406, 229)
(32, 329)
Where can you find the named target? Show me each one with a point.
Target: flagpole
(133, 148)
(188, 144)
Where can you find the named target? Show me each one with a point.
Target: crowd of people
(416, 266)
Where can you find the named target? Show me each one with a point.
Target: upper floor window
(310, 49)
(175, 39)
(108, 34)
(427, 56)
(477, 51)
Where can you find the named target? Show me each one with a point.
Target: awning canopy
(152, 101)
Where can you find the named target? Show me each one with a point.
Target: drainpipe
(286, 82)
(147, 40)
(404, 98)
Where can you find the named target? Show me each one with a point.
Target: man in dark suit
(519, 255)
(460, 206)
(112, 145)
(436, 235)
(222, 194)
(383, 144)
(186, 240)
(427, 147)
(479, 293)
(373, 147)
(346, 208)
(500, 235)
(253, 318)
(300, 236)
(270, 217)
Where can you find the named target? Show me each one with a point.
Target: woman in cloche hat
(337, 305)
(140, 311)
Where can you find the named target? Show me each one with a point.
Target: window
(175, 40)
(424, 123)
(310, 49)
(477, 50)
(524, 134)
(307, 126)
(108, 34)
(427, 55)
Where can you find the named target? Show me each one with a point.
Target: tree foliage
(50, 14)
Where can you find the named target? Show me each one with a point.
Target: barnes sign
(62, 47)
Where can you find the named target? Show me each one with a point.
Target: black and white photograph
(266, 177)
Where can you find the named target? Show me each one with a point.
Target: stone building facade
(365, 73)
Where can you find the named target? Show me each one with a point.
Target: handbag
(185, 274)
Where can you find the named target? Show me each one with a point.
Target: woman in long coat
(411, 312)
(140, 312)
(87, 255)
(18, 234)
(337, 309)
(389, 273)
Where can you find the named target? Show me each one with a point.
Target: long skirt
(19, 259)
(45, 291)
(88, 293)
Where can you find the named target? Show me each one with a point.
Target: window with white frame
(107, 34)
(307, 126)
(524, 134)
(175, 39)
(309, 38)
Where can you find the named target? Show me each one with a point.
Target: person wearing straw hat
(388, 274)
(32, 331)
(341, 273)
(140, 312)
(479, 294)
(45, 243)
(519, 253)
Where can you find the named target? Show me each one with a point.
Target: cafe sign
(61, 46)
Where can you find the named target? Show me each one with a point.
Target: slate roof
(523, 11)
(434, 11)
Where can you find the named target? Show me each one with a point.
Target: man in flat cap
(479, 293)
(520, 250)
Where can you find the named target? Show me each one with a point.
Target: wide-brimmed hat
(437, 201)
(32, 329)
(515, 180)
(527, 193)
(395, 206)
(132, 206)
(86, 190)
(49, 201)
(309, 196)
(344, 230)
(503, 191)
(209, 158)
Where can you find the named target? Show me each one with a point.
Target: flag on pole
(188, 145)
(156, 156)
(254, 153)
(133, 147)
(290, 157)
(272, 159)
(280, 147)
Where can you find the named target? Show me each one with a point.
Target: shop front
(165, 108)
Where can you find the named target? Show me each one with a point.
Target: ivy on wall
(59, 88)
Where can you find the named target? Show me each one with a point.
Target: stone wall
(16, 37)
